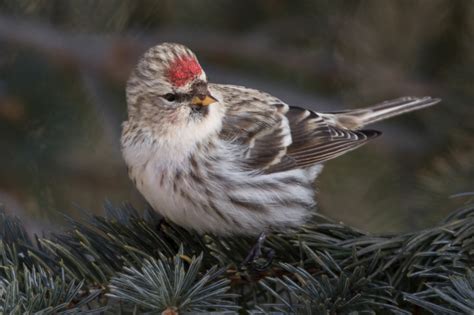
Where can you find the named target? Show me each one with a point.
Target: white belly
(157, 188)
(235, 202)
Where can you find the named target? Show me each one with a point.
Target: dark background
(63, 65)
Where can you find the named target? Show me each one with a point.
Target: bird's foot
(259, 257)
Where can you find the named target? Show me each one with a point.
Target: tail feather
(355, 119)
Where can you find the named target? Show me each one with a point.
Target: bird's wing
(316, 140)
(255, 121)
(276, 137)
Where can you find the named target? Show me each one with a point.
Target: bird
(231, 160)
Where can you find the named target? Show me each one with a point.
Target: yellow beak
(205, 101)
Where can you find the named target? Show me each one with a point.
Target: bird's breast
(169, 181)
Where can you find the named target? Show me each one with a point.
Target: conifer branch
(131, 263)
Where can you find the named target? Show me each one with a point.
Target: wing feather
(276, 137)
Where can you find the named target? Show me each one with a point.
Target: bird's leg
(256, 253)
(152, 216)
(256, 250)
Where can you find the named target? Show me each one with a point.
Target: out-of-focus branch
(105, 55)
(114, 56)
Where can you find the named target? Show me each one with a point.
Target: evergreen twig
(130, 262)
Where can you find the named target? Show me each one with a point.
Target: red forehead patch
(183, 70)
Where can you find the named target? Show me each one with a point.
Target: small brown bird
(227, 159)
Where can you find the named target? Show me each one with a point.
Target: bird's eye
(170, 97)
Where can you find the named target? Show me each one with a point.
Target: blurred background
(63, 66)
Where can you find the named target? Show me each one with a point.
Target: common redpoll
(227, 159)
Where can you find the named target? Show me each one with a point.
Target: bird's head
(168, 89)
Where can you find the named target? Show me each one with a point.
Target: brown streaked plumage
(227, 159)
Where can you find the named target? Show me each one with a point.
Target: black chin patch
(199, 111)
